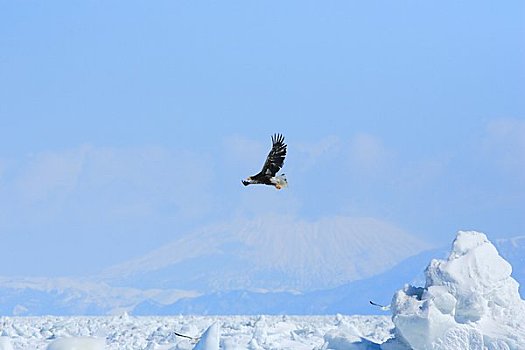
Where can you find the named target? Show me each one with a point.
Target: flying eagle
(274, 162)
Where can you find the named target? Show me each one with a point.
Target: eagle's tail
(280, 181)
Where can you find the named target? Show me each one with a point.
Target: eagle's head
(247, 181)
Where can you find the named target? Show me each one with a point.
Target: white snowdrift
(470, 301)
(77, 343)
(210, 339)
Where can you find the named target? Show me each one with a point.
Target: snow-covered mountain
(41, 296)
(271, 254)
(350, 298)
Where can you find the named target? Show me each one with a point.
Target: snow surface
(218, 332)
(77, 343)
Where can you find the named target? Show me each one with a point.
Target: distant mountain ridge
(350, 298)
(75, 296)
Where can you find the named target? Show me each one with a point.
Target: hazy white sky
(126, 124)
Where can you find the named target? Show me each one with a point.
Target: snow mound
(210, 340)
(347, 337)
(77, 343)
(470, 301)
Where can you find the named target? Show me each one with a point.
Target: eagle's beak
(245, 183)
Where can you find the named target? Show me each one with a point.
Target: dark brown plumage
(274, 162)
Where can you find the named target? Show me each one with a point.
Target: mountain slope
(350, 298)
(272, 254)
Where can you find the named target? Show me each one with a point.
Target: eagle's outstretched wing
(275, 160)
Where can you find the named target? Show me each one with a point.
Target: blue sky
(126, 124)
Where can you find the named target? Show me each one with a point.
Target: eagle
(274, 163)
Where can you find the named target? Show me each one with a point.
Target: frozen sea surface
(236, 332)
